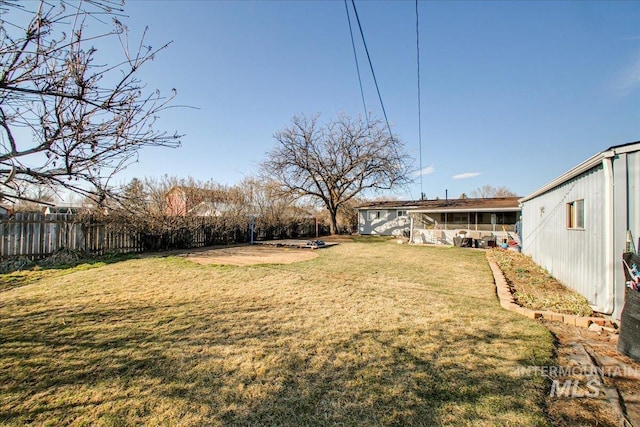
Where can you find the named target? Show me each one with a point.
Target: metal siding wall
(620, 211)
(633, 185)
(627, 216)
(574, 257)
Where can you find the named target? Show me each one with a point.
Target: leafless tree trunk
(67, 118)
(336, 162)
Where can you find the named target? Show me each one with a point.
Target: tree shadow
(238, 368)
(404, 388)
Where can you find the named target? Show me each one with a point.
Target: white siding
(633, 163)
(574, 257)
(626, 170)
(388, 223)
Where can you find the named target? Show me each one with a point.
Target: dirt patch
(615, 401)
(250, 255)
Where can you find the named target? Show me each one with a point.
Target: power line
(384, 112)
(355, 55)
(419, 102)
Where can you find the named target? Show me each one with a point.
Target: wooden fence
(36, 236)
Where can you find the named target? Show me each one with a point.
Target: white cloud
(466, 175)
(628, 80)
(426, 171)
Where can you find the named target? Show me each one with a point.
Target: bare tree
(68, 119)
(170, 195)
(35, 198)
(336, 162)
(265, 200)
(503, 191)
(487, 191)
(135, 198)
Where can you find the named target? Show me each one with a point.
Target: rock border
(508, 303)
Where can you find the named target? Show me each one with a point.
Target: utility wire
(419, 103)
(384, 112)
(355, 55)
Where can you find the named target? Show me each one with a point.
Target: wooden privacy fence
(37, 236)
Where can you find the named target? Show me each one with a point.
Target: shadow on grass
(87, 262)
(42, 270)
(246, 370)
(400, 389)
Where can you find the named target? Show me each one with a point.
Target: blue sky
(513, 93)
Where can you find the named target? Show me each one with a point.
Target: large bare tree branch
(67, 120)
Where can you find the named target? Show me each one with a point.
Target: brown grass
(251, 255)
(533, 287)
(368, 333)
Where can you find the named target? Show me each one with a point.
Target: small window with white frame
(374, 215)
(575, 215)
(401, 214)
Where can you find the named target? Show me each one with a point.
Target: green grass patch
(364, 334)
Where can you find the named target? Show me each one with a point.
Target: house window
(458, 217)
(374, 215)
(575, 214)
(402, 214)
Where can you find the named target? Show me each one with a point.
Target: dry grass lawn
(250, 255)
(368, 333)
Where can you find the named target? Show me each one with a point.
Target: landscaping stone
(531, 314)
(620, 397)
(583, 322)
(594, 327)
(597, 320)
(569, 319)
(508, 303)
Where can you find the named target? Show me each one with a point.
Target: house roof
(66, 209)
(392, 204)
(583, 167)
(625, 147)
(505, 204)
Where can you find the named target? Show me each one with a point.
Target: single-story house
(439, 221)
(207, 208)
(183, 201)
(576, 225)
(385, 218)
